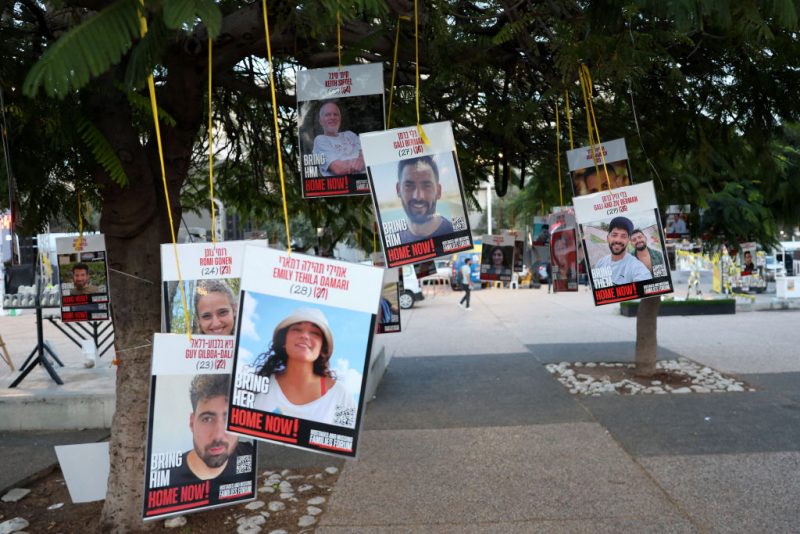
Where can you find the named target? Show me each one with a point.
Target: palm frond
(146, 53)
(102, 151)
(86, 51)
(178, 13)
(142, 104)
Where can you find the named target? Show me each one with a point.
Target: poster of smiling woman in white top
(302, 350)
(334, 106)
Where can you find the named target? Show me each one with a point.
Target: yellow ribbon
(277, 133)
(211, 152)
(416, 52)
(153, 104)
(591, 120)
(558, 158)
(80, 224)
(569, 121)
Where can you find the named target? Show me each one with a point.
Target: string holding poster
(590, 174)
(497, 257)
(389, 308)
(335, 105)
(624, 243)
(302, 350)
(211, 277)
(417, 192)
(83, 277)
(192, 464)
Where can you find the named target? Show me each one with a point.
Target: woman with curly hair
(214, 308)
(301, 382)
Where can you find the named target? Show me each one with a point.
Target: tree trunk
(646, 336)
(135, 223)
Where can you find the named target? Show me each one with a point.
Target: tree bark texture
(646, 336)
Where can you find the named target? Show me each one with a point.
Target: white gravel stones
(175, 522)
(254, 520)
(255, 505)
(279, 531)
(331, 470)
(13, 525)
(700, 379)
(313, 510)
(248, 529)
(276, 506)
(305, 487)
(288, 495)
(314, 501)
(15, 495)
(266, 489)
(306, 521)
(55, 506)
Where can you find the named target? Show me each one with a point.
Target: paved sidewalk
(468, 432)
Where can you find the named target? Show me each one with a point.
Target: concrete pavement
(469, 433)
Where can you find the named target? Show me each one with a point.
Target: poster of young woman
(192, 464)
(590, 174)
(302, 350)
(497, 257)
(211, 275)
(417, 192)
(564, 260)
(334, 106)
(624, 243)
(83, 277)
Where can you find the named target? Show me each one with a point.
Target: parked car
(411, 292)
(773, 268)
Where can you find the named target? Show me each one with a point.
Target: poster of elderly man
(334, 106)
(624, 243)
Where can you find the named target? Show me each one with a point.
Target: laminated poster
(497, 257)
(303, 343)
(334, 106)
(564, 259)
(624, 243)
(590, 175)
(211, 275)
(426, 268)
(192, 463)
(83, 276)
(417, 192)
(389, 309)
(677, 221)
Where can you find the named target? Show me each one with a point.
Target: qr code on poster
(459, 224)
(344, 416)
(244, 463)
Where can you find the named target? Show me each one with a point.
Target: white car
(411, 290)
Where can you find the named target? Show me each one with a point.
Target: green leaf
(102, 151)
(146, 53)
(86, 51)
(178, 13)
(142, 104)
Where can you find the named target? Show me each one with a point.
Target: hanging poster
(211, 275)
(590, 175)
(564, 259)
(624, 243)
(83, 277)
(497, 257)
(389, 309)
(677, 226)
(519, 249)
(541, 231)
(334, 106)
(418, 193)
(426, 268)
(192, 463)
(302, 350)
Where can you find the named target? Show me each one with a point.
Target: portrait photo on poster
(497, 256)
(564, 260)
(212, 305)
(624, 249)
(83, 278)
(599, 167)
(193, 463)
(419, 198)
(313, 357)
(330, 145)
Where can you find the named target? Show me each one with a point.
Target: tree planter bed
(685, 307)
